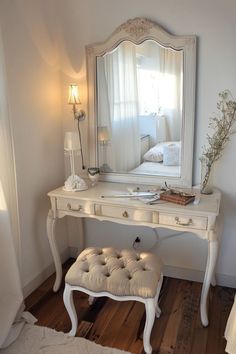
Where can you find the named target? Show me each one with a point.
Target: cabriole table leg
(54, 249)
(209, 274)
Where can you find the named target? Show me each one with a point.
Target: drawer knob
(125, 214)
(187, 223)
(74, 209)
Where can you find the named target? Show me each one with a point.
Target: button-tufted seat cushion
(120, 273)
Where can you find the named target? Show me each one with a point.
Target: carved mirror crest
(141, 84)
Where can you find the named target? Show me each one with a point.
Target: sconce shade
(103, 134)
(79, 115)
(72, 141)
(73, 94)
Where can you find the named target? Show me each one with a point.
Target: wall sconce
(103, 135)
(79, 115)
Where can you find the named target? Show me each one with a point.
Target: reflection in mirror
(139, 109)
(141, 100)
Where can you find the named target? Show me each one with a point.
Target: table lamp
(72, 147)
(104, 139)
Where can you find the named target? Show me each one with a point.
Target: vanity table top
(209, 204)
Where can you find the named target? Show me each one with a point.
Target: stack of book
(177, 197)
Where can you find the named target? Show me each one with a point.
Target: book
(178, 198)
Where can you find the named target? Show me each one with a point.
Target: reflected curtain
(11, 298)
(160, 75)
(171, 91)
(121, 98)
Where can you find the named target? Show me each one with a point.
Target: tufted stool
(120, 275)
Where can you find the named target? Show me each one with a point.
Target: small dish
(93, 175)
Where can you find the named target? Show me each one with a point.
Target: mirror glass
(141, 100)
(139, 109)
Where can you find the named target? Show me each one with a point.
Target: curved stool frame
(151, 306)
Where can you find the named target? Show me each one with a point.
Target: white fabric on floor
(230, 331)
(43, 340)
(11, 297)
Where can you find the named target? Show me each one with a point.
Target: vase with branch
(222, 124)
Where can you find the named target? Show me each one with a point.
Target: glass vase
(206, 176)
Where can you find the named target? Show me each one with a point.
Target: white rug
(42, 340)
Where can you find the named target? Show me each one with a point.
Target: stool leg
(158, 310)
(150, 317)
(69, 304)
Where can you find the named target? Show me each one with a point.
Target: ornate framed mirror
(141, 90)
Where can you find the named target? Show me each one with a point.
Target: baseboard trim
(45, 274)
(228, 281)
(74, 252)
(183, 273)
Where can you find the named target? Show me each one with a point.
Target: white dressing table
(201, 220)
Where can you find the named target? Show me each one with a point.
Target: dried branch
(222, 124)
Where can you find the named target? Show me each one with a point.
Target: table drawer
(124, 213)
(181, 220)
(80, 206)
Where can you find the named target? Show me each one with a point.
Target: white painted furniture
(201, 220)
(122, 275)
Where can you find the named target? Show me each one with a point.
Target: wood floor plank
(199, 341)
(51, 311)
(129, 331)
(103, 320)
(167, 300)
(219, 310)
(83, 328)
(169, 339)
(190, 307)
(46, 312)
(226, 299)
(111, 334)
(93, 311)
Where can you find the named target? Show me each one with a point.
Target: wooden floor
(120, 324)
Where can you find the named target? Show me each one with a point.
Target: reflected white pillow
(171, 154)
(155, 154)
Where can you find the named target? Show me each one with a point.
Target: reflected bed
(156, 168)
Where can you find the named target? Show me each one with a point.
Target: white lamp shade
(73, 94)
(72, 141)
(103, 134)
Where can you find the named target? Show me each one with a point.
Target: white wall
(213, 22)
(35, 104)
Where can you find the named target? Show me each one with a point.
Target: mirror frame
(138, 30)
